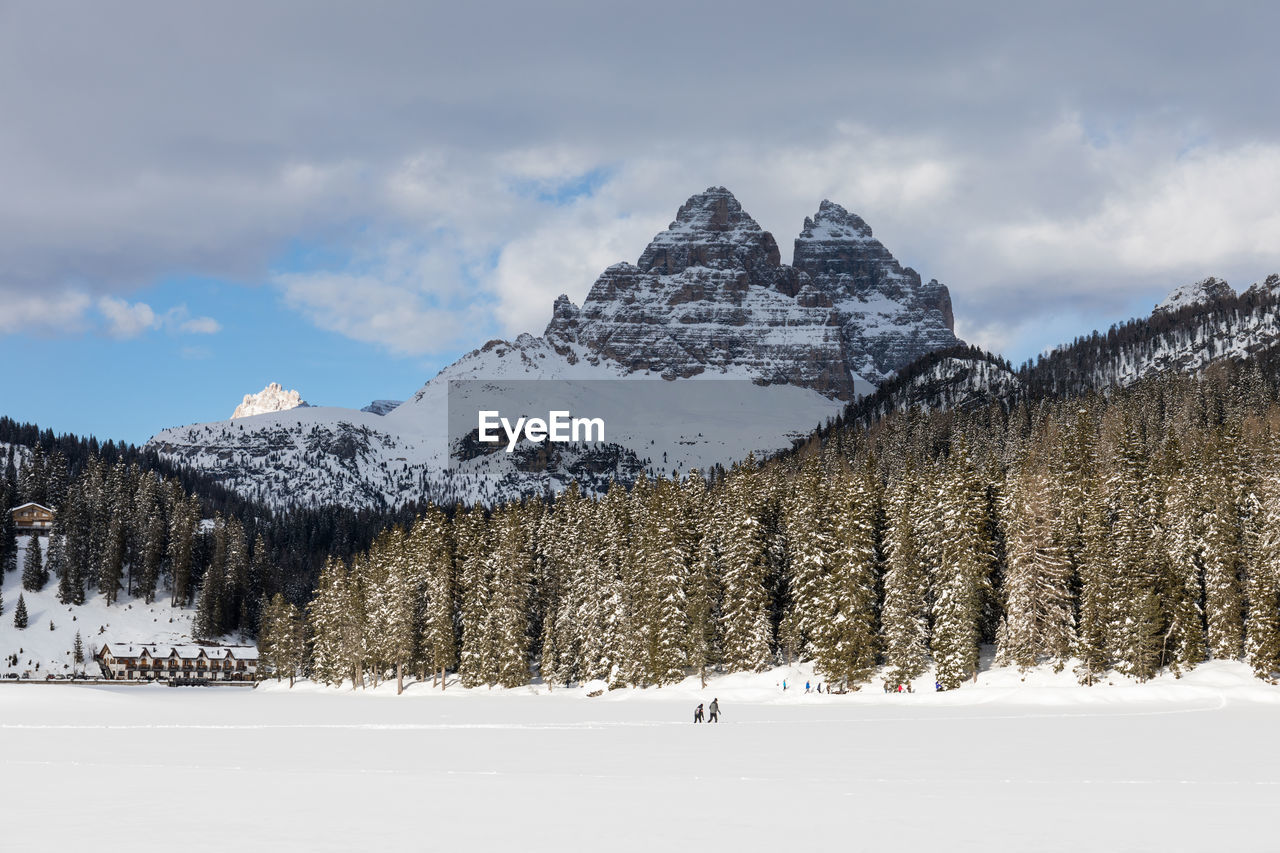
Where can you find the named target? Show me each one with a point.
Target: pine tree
(811, 548)
(396, 602)
(209, 609)
(905, 621)
(281, 643)
(1134, 629)
(846, 643)
(32, 477)
(56, 555)
(619, 644)
(509, 572)
(741, 543)
(113, 525)
(664, 541)
(431, 551)
(473, 547)
(1039, 621)
(150, 524)
(965, 556)
(20, 613)
(1096, 589)
(551, 574)
(56, 481)
(327, 614)
(1223, 550)
(702, 587)
(34, 574)
(77, 652)
(1181, 590)
(1262, 644)
(184, 520)
(8, 532)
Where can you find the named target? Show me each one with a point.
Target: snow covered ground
(1188, 764)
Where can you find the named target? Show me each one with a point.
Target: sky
(199, 199)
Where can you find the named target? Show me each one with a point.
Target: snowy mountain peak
(273, 398)
(1266, 287)
(382, 407)
(833, 222)
(710, 230)
(1201, 292)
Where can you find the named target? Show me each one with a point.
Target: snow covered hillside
(1171, 765)
(40, 651)
(1197, 325)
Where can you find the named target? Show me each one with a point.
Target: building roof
(183, 652)
(30, 503)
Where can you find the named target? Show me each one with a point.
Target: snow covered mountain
(273, 398)
(381, 407)
(1197, 325)
(710, 295)
(708, 298)
(1202, 292)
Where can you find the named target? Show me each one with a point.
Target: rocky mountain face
(711, 295)
(273, 398)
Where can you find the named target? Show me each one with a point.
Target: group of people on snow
(713, 712)
(808, 688)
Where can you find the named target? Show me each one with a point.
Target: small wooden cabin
(32, 518)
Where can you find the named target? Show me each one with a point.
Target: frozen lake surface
(1192, 764)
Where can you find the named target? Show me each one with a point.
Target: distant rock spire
(273, 398)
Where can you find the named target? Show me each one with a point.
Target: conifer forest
(1137, 531)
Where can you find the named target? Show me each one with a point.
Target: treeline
(129, 524)
(123, 530)
(1135, 533)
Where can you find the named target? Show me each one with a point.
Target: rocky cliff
(711, 294)
(273, 398)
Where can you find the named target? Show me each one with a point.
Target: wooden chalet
(32, 518)
(161, 662)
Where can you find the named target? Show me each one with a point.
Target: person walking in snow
(697, 713)
(806, 687)
(713, 711)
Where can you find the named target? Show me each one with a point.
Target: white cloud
(200, 326)
(402, 297)
(944, 130)
(1171, 215)
(125, 319)
(44, 313)
(179, 319)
